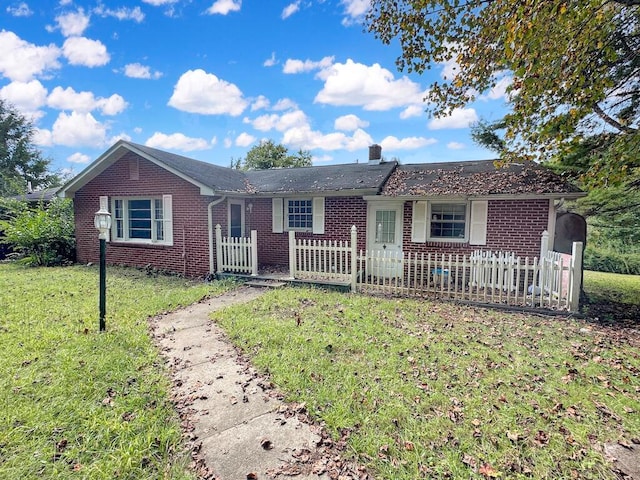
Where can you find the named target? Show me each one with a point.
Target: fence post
(292, 254)
(576, 276)
(218, 248)
(354, 257)
(254, 252)
(544, 244)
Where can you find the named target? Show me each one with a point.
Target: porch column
(218, 248)
(292, 254)
(354, 258)
(254, 252)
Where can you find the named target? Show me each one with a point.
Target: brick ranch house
(165, 207)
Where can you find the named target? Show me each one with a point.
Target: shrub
(43, 235)
(606, 260)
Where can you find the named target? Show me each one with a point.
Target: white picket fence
(331, 260)
(237, 254)
(549, 281)
(486, 277)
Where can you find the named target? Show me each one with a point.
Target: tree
(572, 68)
(20, 161)
(268, 155)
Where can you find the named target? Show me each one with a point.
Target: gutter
(210, 227)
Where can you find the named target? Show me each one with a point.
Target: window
(448, 220)
(300, 214)
(142, 220)
(385, 226)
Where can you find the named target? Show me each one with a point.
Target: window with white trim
(299, 214)
(142, 220)
(447, 221)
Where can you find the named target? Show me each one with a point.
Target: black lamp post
(102, 222)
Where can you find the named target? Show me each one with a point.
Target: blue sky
(210, 79)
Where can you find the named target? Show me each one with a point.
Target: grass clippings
(75, 403)
(422, 389)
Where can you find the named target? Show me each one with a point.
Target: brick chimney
(375, 154)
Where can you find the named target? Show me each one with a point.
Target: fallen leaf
(266, 444)
(488, 471)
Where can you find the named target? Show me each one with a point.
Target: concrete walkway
(238, 426)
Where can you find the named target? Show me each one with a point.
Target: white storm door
(384, 239)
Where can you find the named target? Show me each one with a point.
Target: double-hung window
(300, 214)
(142, 220)
(448, 221)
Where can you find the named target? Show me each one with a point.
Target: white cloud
(450, 69)
(260, 103)
(284, 104)
(159, 3)
(42, 137)
(228, 143)
(271, 61)
(177, 141)
(79, 158)
(22, 61)
(299, 66)
(137, 70)
(201, 92)
(113, 105)
(455, 146)
(27, 97)
(78, 129)
(122, 13)
(349, 123)
(223, 7)
(409, 143)
(244, 140)
(289, 120)
(305, 138)
(82, 102)
(499, 90)
(290, 9)
(86, 52)
(20, 10)
(354, 10)
(458, 118)
(371, 87)
(412, 111)
(73, 24)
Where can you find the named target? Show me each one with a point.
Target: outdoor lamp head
(102, 222)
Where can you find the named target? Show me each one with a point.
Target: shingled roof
(386, 178)
(219, 178)
(334, 178)
(475, 178)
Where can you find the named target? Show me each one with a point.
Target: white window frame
(166, 220)
(462, 239)
(280, 215)
(287, 214)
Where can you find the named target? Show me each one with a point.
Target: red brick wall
(340, 213)
(189, 254)
(512, 226)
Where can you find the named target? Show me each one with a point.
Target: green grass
(612, 287)
(436, 390)
(75, 403)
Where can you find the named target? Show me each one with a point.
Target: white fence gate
(237, 254)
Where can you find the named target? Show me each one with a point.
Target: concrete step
(265, 284)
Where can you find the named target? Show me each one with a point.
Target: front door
(236, 218)
(384, 239)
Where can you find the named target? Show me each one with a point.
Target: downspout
(210, 225)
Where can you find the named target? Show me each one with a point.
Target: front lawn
(422, 389)
(75, 403)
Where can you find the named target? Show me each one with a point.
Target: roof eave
(498, 196)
